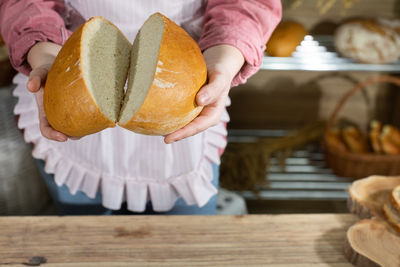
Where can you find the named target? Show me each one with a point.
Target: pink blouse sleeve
(26, 22)
(244, 24)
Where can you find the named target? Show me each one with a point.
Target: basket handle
(357, 87)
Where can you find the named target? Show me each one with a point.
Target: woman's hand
(40, 58)
(223, 63)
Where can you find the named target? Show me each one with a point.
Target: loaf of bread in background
(369, 40)
(333, 138)
(390, 140)
(374, 133)
(286, 37)
(355, 140)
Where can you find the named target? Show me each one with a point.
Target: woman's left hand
(223, 63)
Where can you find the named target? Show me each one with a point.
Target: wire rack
(305, 175)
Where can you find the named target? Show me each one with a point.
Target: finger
(33, 84)
(37, 77)
(212, 91)
(199, 124)
(209, 116)
(45, 127)
(50, 133)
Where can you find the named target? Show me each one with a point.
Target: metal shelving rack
(305, 176)
(317, 53)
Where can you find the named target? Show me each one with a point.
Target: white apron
(123, 165)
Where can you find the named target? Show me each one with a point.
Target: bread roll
(84, 89)
(334, 140)
(369, 40)
(390, 140)
(355, 140)
(375, 132)
(286, 37)
(393, 134)
(167, 70)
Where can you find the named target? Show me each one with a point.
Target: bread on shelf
(285, 38)
(368, 40)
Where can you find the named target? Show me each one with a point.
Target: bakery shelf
(317, 53)
(305, 176)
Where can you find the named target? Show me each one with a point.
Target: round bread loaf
(167, 70)
(369, 40)
(84, 86)
(286, 37)
(84, 89)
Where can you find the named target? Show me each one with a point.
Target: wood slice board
(372, 241)
(295, 240)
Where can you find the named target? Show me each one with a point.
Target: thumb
(37, 77)
(210, 92)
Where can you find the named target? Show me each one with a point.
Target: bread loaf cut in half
(84, 91)
(167, 70)
(85, 85)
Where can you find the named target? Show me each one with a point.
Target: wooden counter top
(251, 240)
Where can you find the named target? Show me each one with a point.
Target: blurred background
(276, 160)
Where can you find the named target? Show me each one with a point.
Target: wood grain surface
(252, 240)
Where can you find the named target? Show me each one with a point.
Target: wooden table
(252, 240)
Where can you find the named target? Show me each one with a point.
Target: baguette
(393, 133)
(388, 140)
(355, 140)
(334, 140)
(376, 128)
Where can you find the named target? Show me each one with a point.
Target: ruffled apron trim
(194, 187)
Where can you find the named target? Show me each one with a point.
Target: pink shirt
(123, 165)
(244, 24)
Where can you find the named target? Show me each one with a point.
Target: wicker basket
(353, 165)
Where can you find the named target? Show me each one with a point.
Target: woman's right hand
(40, 57)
